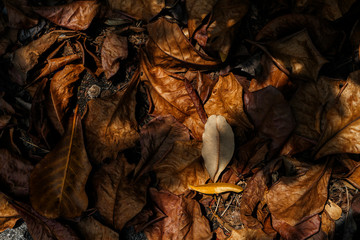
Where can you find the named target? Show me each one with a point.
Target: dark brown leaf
(58, 181)
(17, 17)
(114, 48)
(197, 11)
(91, 229)
(75, 15)
(14, 173)
(184, 218)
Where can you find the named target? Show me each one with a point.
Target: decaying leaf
(298, 55)
(169, 47)
(197, 11)
(157, 139)
(8, 215)
(249, 234)
(114, 48)
(118, 199)
(184, 218)
(218, 145)
(92, 229)
(41, 227)
(110, 125)
(137, 8)
(75, 15)
(181, 166)
(14, 173)
(300, 195)
(57, 184)
(216, 188)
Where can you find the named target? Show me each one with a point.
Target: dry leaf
(110, 125)
(17, 15)
(42, 228)
(341, 121)
(181, 166)
(218, 145)
(137, 8)
(157, 139)
(57, 184)
(8, 215)
(118, 199)
(114, 48)
(333, 210)
(297, 54)
(168, 47)
(249, 234)
(92, 229)
(299, 196)
(184, 218)
(197, 10)
(216, 188)
(14, 173)
(75, 15)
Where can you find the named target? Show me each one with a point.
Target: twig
(227, 207)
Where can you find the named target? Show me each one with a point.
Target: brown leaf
(325, 37)
(57, 184)
(196, 100)
(249, 234)
(197, 11)
(341, 121)
(14, 173)
(75, 15)
(271, 115)
(168, 47)
(300, 231)
(6, 112)
(184, 218)
(91, 229)
(301, 195)
(25, 58)
(218, 145)
(17, 15)
(62, 87)
(308, 104)
(169, 96)
(157, 139)
(226, 100)
(114, 48)
(181, 167)
(8, 215)
(297, 54)
(333, 210)
(226, 14)
(110, 124)
(41, 228)
(118, 198)
(56, 63)
(137, 8)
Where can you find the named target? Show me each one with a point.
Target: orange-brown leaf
(8, 215)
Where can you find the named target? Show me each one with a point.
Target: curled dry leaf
(137, 8)
(184, 218)
(197, 11)
(157, 139)
(41, 227)
(114, 48)
(341, 120)
(75, 15)
(25, 58)
(216, 188)
(92, 229)
(271, 115)
(57, 184)
(298, 197)
(218, 145)
(168, 47)
(14, 173)
(8, 215)
(110, 125)
(62, 90)
(298, 55)
(181, 166)
(118, 199)
(333, 210)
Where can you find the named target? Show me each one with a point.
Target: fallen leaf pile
(180, 119)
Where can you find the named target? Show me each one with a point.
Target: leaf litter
(180, 119)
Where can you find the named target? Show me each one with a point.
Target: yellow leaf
(216, 188)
